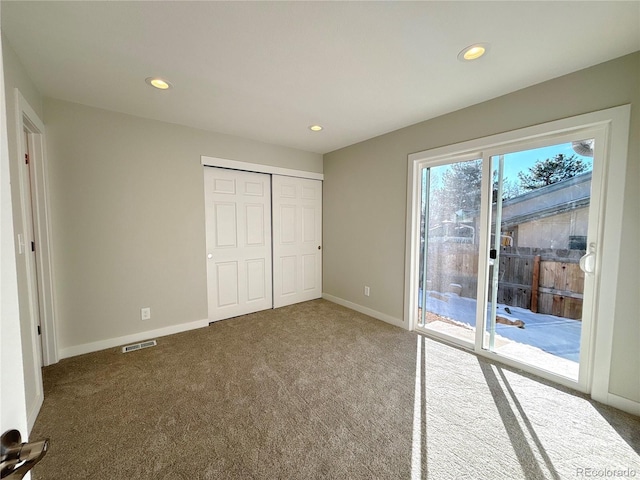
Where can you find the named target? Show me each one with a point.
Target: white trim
(502, 140)
(622, 403)
(25, 109)
(32, 413)
(258, 167)
(466, 345)
(615, 123)
(609, 247)
(27, 117)
(411, 270)
(483, 260)
(367, 311)
(133, 338)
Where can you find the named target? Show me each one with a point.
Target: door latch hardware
(588, 260)
(17, 458)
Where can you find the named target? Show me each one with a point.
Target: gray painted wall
(365, 192)
(127, 205)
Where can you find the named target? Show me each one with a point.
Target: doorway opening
(30, 249)
(34, 255)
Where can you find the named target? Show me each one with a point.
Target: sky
(521, 161)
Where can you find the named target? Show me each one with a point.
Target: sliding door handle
(588, 260)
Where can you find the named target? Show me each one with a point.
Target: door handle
(17, 458)
(588, 260)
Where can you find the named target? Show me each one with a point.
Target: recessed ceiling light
(473, 52)
(316, 128)
(158, 83)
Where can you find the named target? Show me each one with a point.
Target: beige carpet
(317, 391)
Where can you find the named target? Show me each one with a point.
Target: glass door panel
(449, 249)
(539, 227)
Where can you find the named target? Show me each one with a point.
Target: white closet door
(297, 240)
(238, 228)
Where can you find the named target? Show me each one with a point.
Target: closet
(263, 241)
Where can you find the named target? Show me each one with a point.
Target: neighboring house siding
(549, 217)
(554, 231)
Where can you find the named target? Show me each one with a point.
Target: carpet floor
(315, 391)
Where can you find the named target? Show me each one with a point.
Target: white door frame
(27, 119)
(615, 123)
(258, 168)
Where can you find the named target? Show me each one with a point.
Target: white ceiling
(268, 70)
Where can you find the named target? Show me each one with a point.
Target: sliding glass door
(506, 255)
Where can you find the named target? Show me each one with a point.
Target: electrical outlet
(145, 313)
(367, 291)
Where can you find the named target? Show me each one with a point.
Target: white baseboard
(622, 403)
(133, 338)
(367, 311)
(33, 412)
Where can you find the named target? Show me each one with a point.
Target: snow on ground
(555, 335)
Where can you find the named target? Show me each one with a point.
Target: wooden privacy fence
(453, 263)
(542, 280)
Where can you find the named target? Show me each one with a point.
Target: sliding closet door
(238, 228)
(297, 240)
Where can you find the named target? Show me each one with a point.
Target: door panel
(287, 224)
(449, 240)
(297, 240)
(255, 225)
(309, 275)
(225, 221)
(238, 226)
(227, 283)
(308, 224)
(256, 286)
(539, 232)
(287, 275)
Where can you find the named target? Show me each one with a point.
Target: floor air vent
(139, 346)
